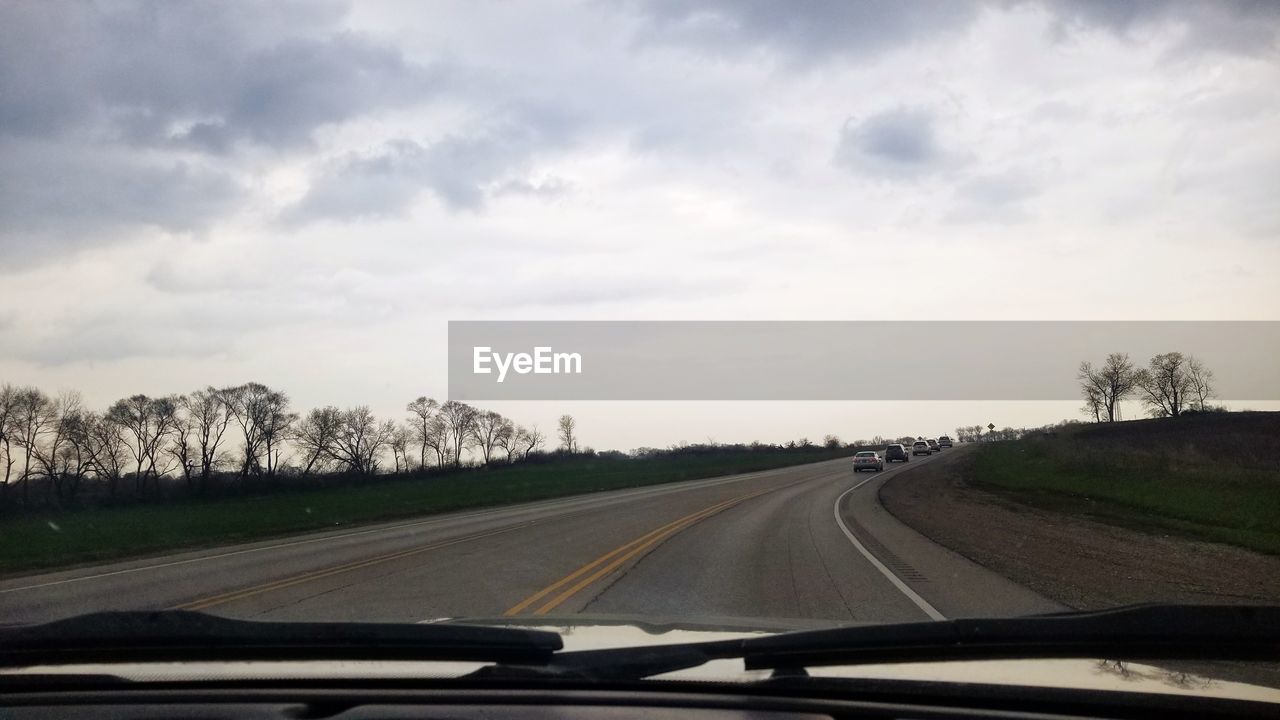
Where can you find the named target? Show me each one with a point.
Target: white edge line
(626, 493)
(912, 595)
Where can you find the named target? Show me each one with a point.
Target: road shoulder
(1077, 561)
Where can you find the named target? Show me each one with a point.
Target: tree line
(244, 436)
(1171, 384)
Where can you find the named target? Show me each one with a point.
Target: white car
(921, 448)
(868, 460)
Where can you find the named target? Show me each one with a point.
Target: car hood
(1232, 681)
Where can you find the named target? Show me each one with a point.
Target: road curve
(805, 543)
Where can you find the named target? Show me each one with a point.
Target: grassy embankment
(1213, 477)
(97, 534)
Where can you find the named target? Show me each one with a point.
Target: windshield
(444, 312)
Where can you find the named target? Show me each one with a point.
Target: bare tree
(8, 404)
(1093, 402)
(1166, 385)
(533, 441)
(488, 431)
(565, 429)
(421, 413)
(209, 414)
(459, 418)
(316, 436)
(1108, 386)
(264, 419)
(181, 445)
(833, 441)
(109, 449)
(58, 455)
(277, 423)
(400, 437)
(360, 438)
(147, 422)
(512, 440)
(1201, 380)
(437, 438)
(33, 413)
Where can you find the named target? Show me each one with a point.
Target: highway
(800, 544)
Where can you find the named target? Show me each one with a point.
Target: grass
(1212, 477)
(97, 534)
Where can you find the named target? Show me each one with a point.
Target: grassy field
(30, 543)
(1214, 477)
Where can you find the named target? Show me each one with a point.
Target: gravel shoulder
(1075, 559)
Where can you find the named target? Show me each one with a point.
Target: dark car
(896, 453)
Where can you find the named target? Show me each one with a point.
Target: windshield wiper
(176, 635)
(1146, 632)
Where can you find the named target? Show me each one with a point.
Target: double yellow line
(208, 602)
(612, 560)
(575, 581)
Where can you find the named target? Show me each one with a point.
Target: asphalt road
(807, 543)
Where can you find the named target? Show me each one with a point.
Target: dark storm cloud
(206, 74)
(55, 197)
(123, 115)
(900, 143)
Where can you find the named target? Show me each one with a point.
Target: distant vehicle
(944, 441)
(868, 460)
(921, 448)
(896, 453)
(933, 445)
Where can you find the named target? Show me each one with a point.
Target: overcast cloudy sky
(304, 193)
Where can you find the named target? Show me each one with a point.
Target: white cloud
(306, 194)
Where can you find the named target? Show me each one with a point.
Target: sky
(304, 194)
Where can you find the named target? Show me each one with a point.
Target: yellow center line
(524, 604)
(618, 562)
(615, 558)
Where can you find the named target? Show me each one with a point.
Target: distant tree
(400, 437)
(147, 422)
(566, 429)
(459, 419)
(489, 431)
(533, 441)
(1201, 381)
(422, 412)
(1094, 404)
(1166, 385)
(8, 400)
(110, 451)
(32, 416)
(831, 442)
(879, 440)
(60, 455)
(1105, 387)
(181, 445)
(316, 437)
(512, 439)
(360, 439)
(209, 414)
(437, 438)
